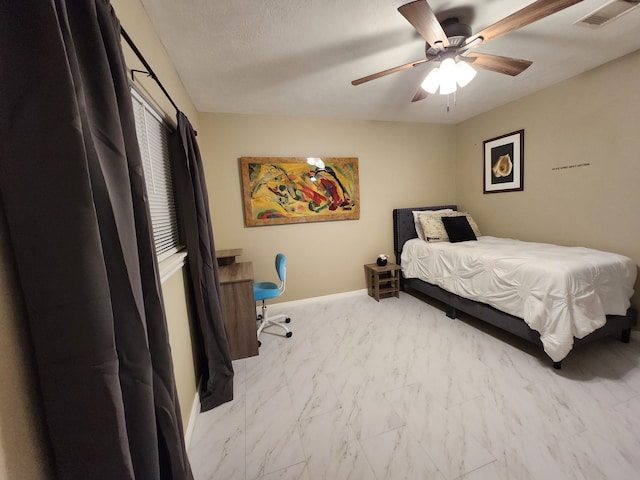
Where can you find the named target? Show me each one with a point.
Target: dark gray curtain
(72, 185)
(216, 370)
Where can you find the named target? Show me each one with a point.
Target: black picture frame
(504, 163)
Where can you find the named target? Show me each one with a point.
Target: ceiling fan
(450, 43)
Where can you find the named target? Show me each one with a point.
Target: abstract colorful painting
(279, 190)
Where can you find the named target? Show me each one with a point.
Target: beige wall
(593, 118)
(178, 311)
(400, 164)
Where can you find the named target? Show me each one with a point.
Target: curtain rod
(150, 71)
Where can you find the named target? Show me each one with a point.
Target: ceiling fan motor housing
(456, 33)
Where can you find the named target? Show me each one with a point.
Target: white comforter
(561, 292)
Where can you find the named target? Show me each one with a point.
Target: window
(153, 138)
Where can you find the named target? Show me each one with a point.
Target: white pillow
(416, 218)
(433, 228)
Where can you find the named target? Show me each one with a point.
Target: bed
(508, 316)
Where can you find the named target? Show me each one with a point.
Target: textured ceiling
(298, 57)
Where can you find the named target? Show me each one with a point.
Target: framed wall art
(281, 190)
(504, 163)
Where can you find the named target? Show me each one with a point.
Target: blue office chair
(264, 291)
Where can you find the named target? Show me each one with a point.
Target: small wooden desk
(238, 306)
(225, 257)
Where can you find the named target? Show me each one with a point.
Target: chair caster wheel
(259, 343)
(289, 334)
(287, 320)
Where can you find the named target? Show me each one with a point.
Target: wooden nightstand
(383, 282)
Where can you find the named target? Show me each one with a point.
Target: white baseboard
(195, 410)
(303, 301)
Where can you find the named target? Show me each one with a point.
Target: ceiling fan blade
(529, 14)
(421, 94)
(496, 63)
(389, 71)
(421, 16)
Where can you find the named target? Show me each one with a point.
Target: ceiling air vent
(608, 12)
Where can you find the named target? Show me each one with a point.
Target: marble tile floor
(396, 390)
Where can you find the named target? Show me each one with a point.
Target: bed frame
(404, 230)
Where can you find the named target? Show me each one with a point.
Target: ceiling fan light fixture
(432, 82)
(448, 76)
(464, 73)
(448, 86)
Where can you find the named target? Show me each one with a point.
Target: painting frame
(286, 190)
(503, 163)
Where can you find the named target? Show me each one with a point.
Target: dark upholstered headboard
(403, 227)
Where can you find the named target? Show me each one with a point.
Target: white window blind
(153, 138)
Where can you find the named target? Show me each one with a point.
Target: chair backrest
(281, 268)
